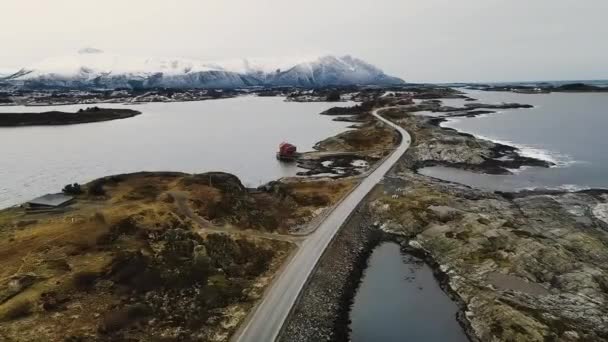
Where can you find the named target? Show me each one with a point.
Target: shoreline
(559, 160)
(356, 262)
(333, 286)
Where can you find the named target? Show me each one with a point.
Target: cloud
(419, 40)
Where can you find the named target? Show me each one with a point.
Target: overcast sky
(418, 40)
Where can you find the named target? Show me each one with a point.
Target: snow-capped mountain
(92, 68)
(4, 72)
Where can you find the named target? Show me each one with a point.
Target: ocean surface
(568, 129)
(238, 135)
(400, 300)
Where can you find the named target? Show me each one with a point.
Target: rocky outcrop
(531, 266)
(527, 268)
(435, 145)
(322, 312)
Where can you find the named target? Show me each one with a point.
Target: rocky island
(91, 114)
(541, 88)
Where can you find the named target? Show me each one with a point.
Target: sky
(417, 40)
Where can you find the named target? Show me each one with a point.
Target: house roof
(51, 200)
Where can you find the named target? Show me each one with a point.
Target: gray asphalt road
(270, 314)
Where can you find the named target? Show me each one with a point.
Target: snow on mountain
(91, 62)
(331, 70)
(94, 68)
(4, 72)
(258, 65)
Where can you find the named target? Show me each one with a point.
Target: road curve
(269, 315)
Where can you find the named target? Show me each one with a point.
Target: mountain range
(93, 68)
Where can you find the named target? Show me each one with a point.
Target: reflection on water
(400, 300)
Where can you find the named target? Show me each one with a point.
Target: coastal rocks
(322, 310)
(435, 93)
(335, 165)
(434, 145)
(349, 153)
(329, 94)
(444, 213)
(530, 267)
(436, 108)
(600, 211)
(91, 96)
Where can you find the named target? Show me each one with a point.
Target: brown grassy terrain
(146, 256)
(370, 138)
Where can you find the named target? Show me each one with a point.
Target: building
(49, 201)
(287, 152)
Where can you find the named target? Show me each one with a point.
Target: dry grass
(72, 253)
(16, 309)
(370, 137)
(411, 208)
(334, 190)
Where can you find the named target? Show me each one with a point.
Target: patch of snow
(7, 71)
(89, 50)
(99, 63)
(415, 244)
(359, 163)
(96, 66)
(577, 210)
(259, 65)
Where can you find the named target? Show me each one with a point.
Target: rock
(444, 213)
(528, 267)
(50, 301)
(25, 223)
(600, 211)
(17, 284)
(434, 145)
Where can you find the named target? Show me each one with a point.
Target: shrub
(18, 309)
(72, 189)
(333, 96)
(96, 188)
(99, 217)
(119, 319)
(84, 280)
(127, 265)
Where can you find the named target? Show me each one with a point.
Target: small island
(91, 114)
